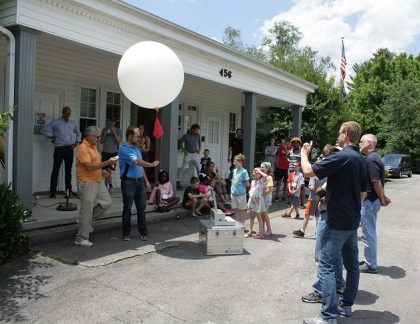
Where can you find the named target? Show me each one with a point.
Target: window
(113, 106)
(87, 108)
(213, 132)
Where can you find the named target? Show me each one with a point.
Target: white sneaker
(319, 320)
(84, 243)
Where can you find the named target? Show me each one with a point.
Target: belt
(135, 179)
(64, 146)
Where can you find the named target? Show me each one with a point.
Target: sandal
(285, 215)
(259, 236)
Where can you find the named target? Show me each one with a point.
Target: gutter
(10, 89)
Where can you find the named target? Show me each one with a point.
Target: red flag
(158, 130)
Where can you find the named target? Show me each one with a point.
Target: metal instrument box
(221, 240)
(219, 218)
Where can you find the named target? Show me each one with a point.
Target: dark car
(397, 165)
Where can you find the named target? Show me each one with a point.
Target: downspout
(10, 89)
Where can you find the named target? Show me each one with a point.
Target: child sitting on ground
(162, 194)
(205, 160)
(193, 198)
(295, 183)
(211, 194)
(202, 187)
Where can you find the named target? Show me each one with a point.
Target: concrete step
(67, 228)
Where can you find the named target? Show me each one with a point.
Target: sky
(366, 25)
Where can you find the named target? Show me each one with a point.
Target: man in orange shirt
(94, 196)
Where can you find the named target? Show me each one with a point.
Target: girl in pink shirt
(163, 195)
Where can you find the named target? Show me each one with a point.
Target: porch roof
(114, 25)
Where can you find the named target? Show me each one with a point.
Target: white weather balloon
(150, 74)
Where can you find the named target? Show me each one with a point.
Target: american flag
(343, 62)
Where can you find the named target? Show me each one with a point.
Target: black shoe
(276, 199)
(366, 269)
(298, 234)
(144, 237)
(312, 298)
(283, 199)
(52, 195)
(73, 194)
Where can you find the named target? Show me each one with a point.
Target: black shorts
(281, 174)
(105, 157)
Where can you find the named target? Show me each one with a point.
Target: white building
(67, 54)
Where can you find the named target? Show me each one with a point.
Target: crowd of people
(346, 190)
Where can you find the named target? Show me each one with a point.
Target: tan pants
(94, 202)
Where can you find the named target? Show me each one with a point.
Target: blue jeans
(334, 242)
(133, 191)
(338, 267)
(369, 212)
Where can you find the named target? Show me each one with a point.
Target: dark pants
(62, 153)
(133, 191)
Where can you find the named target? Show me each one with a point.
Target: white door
(43, 149)
(213, 142)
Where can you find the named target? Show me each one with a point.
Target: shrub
(13, 241)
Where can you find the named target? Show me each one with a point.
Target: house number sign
(225, 73)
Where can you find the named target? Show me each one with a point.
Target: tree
(401, 118)
(325, 108)
(232, 38)
(372, 83)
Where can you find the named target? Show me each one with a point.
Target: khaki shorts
(239, 202)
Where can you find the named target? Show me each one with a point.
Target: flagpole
(343, 63)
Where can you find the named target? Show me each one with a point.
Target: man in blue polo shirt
(132, 183)
(347, 174)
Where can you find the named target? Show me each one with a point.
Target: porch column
(23, 132)
(250, 128)
(168, 149)
(297, 121)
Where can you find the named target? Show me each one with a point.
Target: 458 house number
(225, 73)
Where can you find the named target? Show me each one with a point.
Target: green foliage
(5, 118)
(401, 119)
(12, 214)
(320, 117)
(384, 93)
(371, 85)
(232, 38)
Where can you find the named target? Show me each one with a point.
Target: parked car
(397, 165)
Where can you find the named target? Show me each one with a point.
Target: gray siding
(8, 11)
